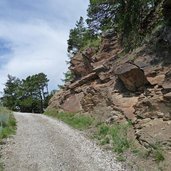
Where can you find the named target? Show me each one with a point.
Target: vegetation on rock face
(115, 134)
(27, 95)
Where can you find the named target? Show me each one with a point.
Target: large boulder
(131, 75)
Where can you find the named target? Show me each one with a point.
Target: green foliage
(157, 152)
(6, 132)
(77, 121)
(7, 123)
(117, 134)
(4, 116)
(1, 166)
(130, 19)
(76, 36)
(11, 92)
(91, 43)
(27, 95)
(121, 158)
(7, 126)
(81, 37)
(103, 130)
(158, 155)
(120, 139)
(68, 76)
(100, 15)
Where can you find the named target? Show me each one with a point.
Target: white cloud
(36, 48)
(38, 44)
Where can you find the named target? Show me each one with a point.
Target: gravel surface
(45, 144)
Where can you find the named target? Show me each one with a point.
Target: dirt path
(45, 144)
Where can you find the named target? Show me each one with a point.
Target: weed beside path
(77, 121)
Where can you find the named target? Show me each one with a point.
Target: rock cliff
(112, 85)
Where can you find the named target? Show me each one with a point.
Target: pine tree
(27, 95)
(76, 36)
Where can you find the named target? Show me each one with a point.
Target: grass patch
(121, 158)
(1, 166)
(7, 123)
(7, 126)
(115, 134)
(157, 152)
(77, 121)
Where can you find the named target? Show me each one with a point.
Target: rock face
(72, 103)
(136, 87)
(81, 63)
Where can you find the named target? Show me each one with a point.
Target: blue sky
(33, 37)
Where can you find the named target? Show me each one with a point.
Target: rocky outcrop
(84, 80)
(72, 103)
(136, 87)
(81, 63)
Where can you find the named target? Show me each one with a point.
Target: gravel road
(45, 144)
